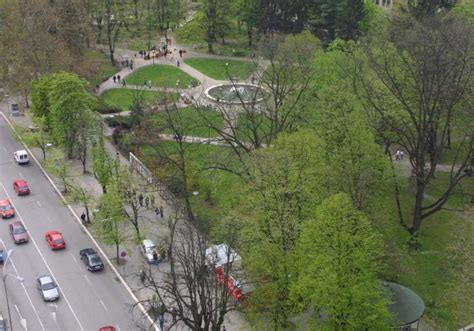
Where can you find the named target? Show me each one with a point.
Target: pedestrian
(83, 218)
(397, 155)
(140, 200)
(223, 328)
(135, 55)
(401, 154)
(124, 83)
(177, 63)
(145, 84)
(174, 313)
(155, 256)
(157, 212)
(142, 275)
(180, 53)
(147, 202)
(152, 201)
(161, 211)
(149, 83)
(162, 322)
(114, 78)
(118, 78)
(131, 66)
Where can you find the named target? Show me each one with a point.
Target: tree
(213, 16)
(58, 165)
(102, 164)
(70, 106)
(111, 217)
(417, 85)
(114, 20)
(425, 8)
(87, 136)
(84, 196)
(287, 181)
(37, 137)
(190, 288)
(337, 261)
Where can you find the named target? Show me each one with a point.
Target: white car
(148, 250)
(21, 157)
(48, 288)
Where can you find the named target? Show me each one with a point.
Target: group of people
(399, 154)
(117, 79)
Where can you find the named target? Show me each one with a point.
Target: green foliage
(40, 99)
(103, 165)
(337, 267)
(191, 32)
(223, 69)
(161, 75)
(58, 165)
(70, 103)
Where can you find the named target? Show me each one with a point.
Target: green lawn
(123, 98)
(161, 75)
(191, 121)
(218, 69)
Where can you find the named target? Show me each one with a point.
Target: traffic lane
(47, 213)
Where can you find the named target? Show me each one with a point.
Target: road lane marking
(43, 258)
(75, 260)
(88, 280)
(24, 288)
(21, 175)
(38, 203)
(91, 237)
(4, 149)
(103, 305)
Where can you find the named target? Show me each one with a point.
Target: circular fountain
(235, 94)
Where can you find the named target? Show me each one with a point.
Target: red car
(6, 209)
(21, 187)
(55, 240)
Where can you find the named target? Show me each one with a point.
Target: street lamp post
(4, 279)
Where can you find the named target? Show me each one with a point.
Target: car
(21, 187)
(18, 232)
(6, 209)
(2, 256)
(21, 157)
(148, 250)
(48, 288)
(55, 240)
(91, 259)
(107, 328)
(3, 323)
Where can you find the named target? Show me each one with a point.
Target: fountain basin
(235, 94)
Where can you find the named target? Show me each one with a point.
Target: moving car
(6, 209)
(18, 232)
(91, 259)
(21, 187)
(48, 288)
(107, 328)
(148, 250)
(55, 240)
(2, 256)
(21, 157)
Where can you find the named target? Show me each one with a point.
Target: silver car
(148, 250)
(48, 288)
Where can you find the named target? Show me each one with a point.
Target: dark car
(18, 232)
(3, 323)
(91, 259)
(2, 256)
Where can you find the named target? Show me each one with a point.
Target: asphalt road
(88, 300)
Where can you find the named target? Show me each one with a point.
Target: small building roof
(406, 305)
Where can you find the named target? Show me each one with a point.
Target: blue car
(2, 257)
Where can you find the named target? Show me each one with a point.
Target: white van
(21, 157)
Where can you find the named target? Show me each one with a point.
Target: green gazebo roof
(406, 306)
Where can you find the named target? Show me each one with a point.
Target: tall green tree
(70, 106)
(213, 17)
(337, 269)
(102, 164)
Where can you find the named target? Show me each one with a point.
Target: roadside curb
(73, 212)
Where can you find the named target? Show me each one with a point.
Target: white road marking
(74, 259)
(44, 260)
(24, 288)
(38, 203)
(88, 280)
(21, 175)
(103, 305)
(4, 149)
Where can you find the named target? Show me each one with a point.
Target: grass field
(192, 123)
(218, 69)
(123, 98)
(161, 75)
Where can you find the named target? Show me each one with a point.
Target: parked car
(48, 288)
(21, 187)
(148, 250)
(21, 157)
(18, 232)
(6, 209)
(55, 240)
(91, 259)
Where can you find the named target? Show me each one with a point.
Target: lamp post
(4, 279)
